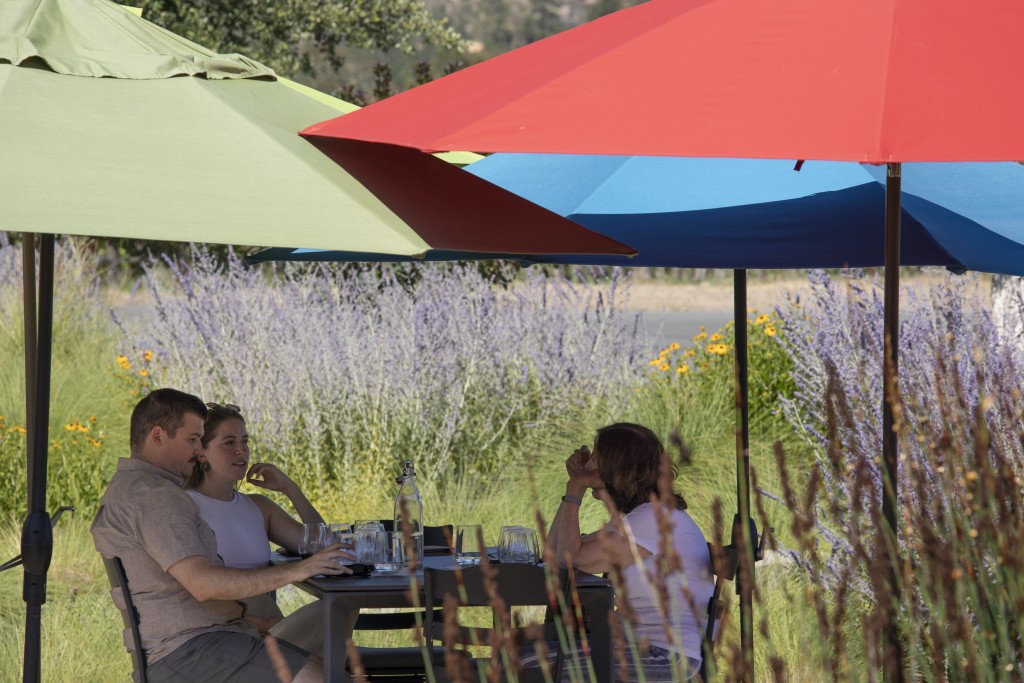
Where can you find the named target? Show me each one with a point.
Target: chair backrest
(724, 560)
(432, 535)
(515, 584)
(129, 614)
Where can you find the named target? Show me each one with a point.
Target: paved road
(666, 327)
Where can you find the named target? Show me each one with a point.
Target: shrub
(343, 375)
(958, 554)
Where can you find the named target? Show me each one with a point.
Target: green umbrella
(112, 126)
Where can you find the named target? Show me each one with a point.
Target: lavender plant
(958, 552)
(343, 374)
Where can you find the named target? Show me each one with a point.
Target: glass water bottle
(409, 509)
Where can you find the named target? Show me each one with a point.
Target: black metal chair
(725, 561)
(516, 585)
(398, 663)
(129, 614)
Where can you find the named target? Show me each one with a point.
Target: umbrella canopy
(112, 126)
(761, 213)
(879, 81)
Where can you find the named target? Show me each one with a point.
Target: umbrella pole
(36, 534)
(890, 366)
(743, 531)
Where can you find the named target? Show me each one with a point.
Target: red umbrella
(857, 80)
(877, 81)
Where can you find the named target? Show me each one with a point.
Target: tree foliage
(293, 36)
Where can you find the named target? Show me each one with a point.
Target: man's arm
(209, 582)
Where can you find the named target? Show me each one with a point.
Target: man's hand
(327, 562)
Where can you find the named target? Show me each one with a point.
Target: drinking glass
(364, 540)
(532, 550)
(468, 544)
(511, 542)
(314, 537)
(368, 523)
(388, 555)
(341, 533)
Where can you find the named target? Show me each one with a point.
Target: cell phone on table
(360, 569)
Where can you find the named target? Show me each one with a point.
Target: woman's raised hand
(580, 461)
(267, 476)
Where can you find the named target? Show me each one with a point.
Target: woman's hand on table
(327, 562)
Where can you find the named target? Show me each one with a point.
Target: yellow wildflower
(92, 418)
(19, 429)
(682, 369)
(701, 337)
(144, 373)
(656, 361)
(664, 367)
(769, 330)
(716, 337)
(83, 428)
(673, 346)
(147, 356)
(123, 361)
(95, 443)
(762, 319)
(71, 426)
(690, 354)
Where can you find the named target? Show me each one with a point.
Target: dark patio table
(342, 598)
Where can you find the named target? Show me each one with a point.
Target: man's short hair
(163, 408)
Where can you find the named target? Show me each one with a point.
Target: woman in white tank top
(646, 529)
(246, 524)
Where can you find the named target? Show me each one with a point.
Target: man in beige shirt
(193, 627)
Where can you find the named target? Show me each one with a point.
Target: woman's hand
(580, 482)
(268, 477)
(580, 461)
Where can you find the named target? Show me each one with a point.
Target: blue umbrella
(762, 213)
